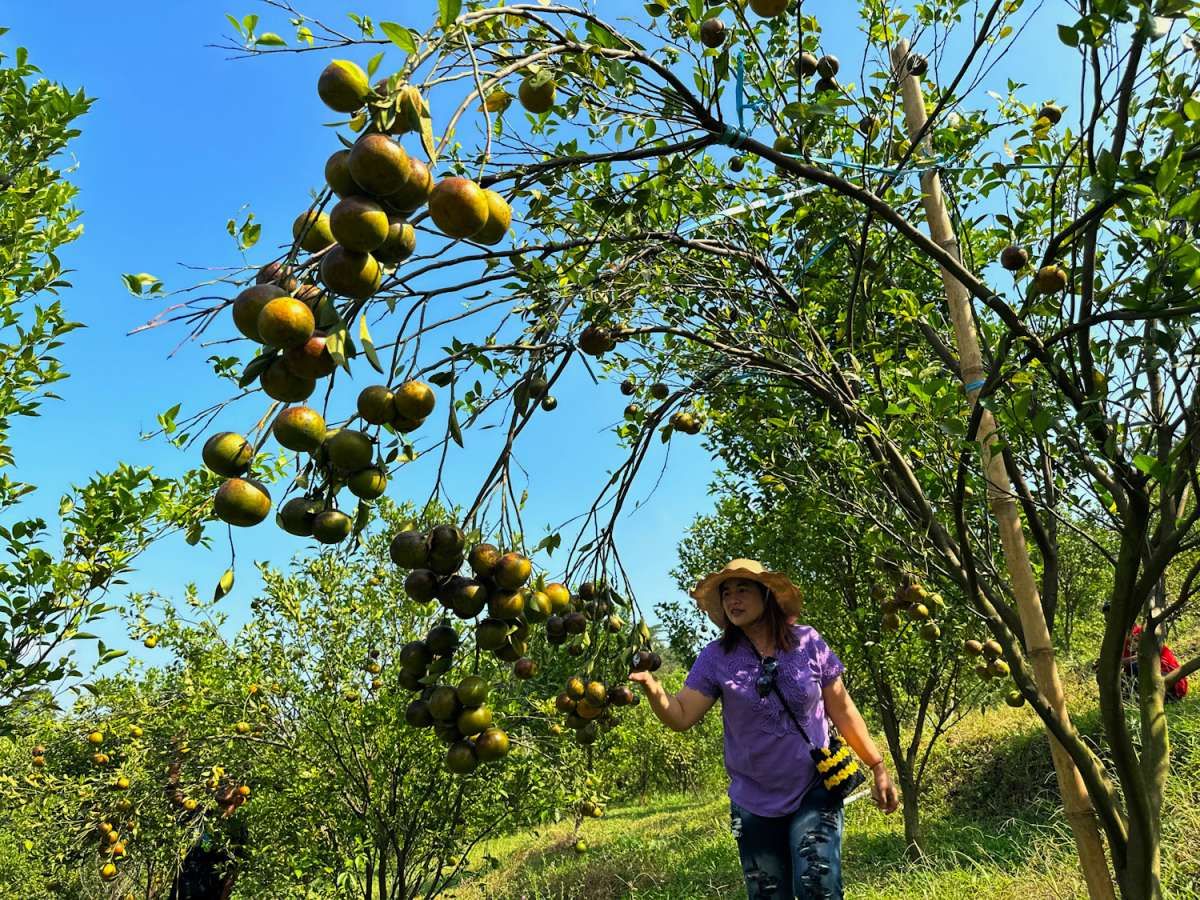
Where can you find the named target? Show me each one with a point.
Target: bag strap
(778, 693)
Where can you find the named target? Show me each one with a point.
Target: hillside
(994, 832)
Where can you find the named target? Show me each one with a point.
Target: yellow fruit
(150, 643)
(285, 322)
(536, 93)
(413, 400)
(399, 245)
(413, 191)
(349, 450)
(498, 221)
(299, 428)
(312, 360)
(95, 738)
(368, 484)
(560, 597)
(190, 804)
(768, 9)
(512, 571)
(280, 383)
(353, 275)
(250, 303)
(242, 727)
(108, 871)
(458, 207)
(343, 86)
(375, 404)
(1051, 279)
(359, 224)
(227, 454)
(379, 165)
(242, 502)
(122, 783)
(338, 177)
(312, 230)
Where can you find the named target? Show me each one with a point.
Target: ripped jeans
(796, 857)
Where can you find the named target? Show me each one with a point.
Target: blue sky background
(181, 137)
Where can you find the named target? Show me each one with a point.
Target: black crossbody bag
(836, 766)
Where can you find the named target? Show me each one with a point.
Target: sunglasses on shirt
(766, 681)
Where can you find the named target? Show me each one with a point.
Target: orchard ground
(994, 828)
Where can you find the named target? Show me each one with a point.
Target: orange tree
(641, 238)
(292, 753)
(51, 595)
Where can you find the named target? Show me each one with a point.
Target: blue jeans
(796, 857)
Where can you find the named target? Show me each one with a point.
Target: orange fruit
(312, 230)
(413, 400)
(249, 303)
(285, 322)
(343, 86)
(458, 207)
(498, 221)
(242, 502)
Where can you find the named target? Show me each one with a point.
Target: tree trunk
(910, 798)
(1077, 803)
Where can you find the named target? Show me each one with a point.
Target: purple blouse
(769, 764)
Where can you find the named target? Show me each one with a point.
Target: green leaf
(399, 35)
(224, 585)
(1068, 35)
(256, 367)
(364, 337)
(373, 64)
(1149, 465)
(426, 129)
(455, 430)
(449, 11)
(1167, 170)
(269, 39)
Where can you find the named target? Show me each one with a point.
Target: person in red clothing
(1168, 662)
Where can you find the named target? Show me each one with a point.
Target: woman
(770, 675)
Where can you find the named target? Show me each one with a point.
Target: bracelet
(874, 764)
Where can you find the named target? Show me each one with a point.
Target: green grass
(992, 823)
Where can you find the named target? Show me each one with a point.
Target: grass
(992, 822)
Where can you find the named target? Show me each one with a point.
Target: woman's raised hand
(645, 679)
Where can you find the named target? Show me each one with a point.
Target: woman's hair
(777, 622)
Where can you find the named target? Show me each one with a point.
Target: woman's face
(742, 600)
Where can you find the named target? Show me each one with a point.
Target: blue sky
(180, 139)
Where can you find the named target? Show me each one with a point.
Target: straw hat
(707, 593)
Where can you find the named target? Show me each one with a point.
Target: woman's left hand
(883, 792)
